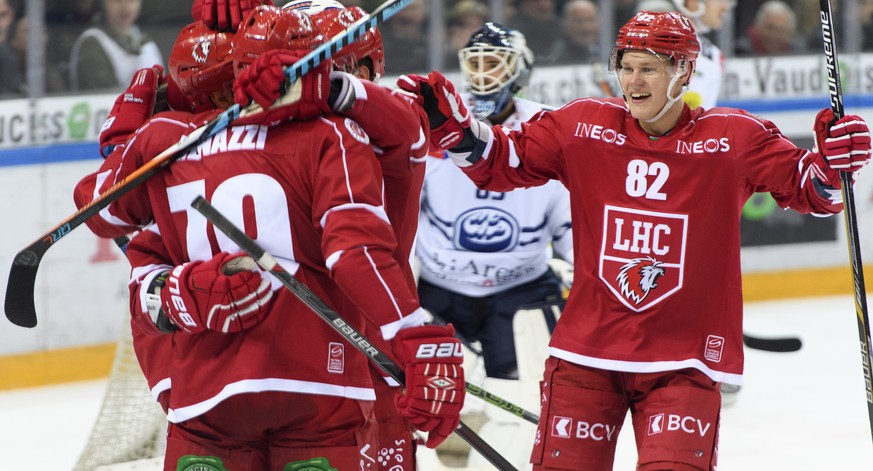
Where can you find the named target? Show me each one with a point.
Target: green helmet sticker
(314, 464)
(200, 463)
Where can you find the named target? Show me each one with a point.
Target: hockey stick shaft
(19, 305)
(835, 90)
(269, 263)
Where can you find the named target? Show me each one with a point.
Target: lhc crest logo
(486, 230)
(642, 258)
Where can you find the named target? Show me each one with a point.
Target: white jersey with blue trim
(478, 242)
(705, 86)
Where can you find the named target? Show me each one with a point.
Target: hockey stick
(19, 307)
(849, 213)
(778, 344)
(267, 262)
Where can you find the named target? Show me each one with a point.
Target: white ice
(803, 411)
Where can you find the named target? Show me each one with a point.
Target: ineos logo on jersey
(660, 423)
(595, 131)
(709, 146)
(566, 427)
(235, 138)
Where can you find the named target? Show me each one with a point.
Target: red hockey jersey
(310, 193)
(656, 226)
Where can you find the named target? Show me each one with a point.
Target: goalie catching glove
(224, 294)
(843, 145)
(435, 385)
(131, 109)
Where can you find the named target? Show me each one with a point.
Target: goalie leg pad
(581, 417)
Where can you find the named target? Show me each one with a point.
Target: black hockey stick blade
(777, 344)
(266, 261)
(19, 305)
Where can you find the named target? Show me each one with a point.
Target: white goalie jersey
(478, 242)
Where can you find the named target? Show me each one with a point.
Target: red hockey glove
(435, 387)
(445, 109)
(263, 80)
(224, 14)
(131, 109)
(221, 294)
(844, 144)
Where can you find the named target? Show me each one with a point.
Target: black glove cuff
(156, 311)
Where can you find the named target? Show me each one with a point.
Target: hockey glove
(844, 145)
(222, 294)
(224, 14)
(435, 387)
(264, 80)
(448, 116)
(131, 109)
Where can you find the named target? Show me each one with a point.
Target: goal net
(131, 425)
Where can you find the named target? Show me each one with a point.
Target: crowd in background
(95, 44)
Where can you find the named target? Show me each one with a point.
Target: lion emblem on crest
(638, 277)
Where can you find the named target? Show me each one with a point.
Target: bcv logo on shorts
(663, 422)
(566, 427)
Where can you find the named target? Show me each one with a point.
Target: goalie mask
(267, 28)
(496, 64)
(200, 69)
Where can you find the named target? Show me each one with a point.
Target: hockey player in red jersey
(653, 323)
(325, 223)
(400, 143)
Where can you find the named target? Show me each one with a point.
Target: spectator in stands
(108, 54)
(54, 81)
(773, 32)
(580, 33)
(865, 15)
(538, 21)
(7, 17)
(405, 39)
(11, 78)
(465, 18)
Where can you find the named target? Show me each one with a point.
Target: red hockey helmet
(267, 28)
(670, 34)
(334, 21)
(200, 65)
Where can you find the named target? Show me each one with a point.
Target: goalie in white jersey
(484, 254)
(654, 320)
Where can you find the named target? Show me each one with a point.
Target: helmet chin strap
(670, 100)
